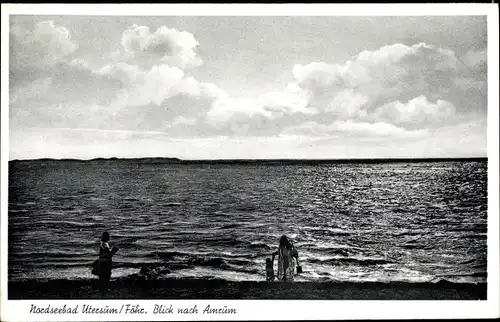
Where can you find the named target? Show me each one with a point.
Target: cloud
(146, 86)
(41, 47)
(416, 86)
(48, 85)
(348, 104)
(417, 111)
(71, 94)
(389, 91)
(155, 84)
(377, 129)
(354, 129)
(165, 45)
(396, 85)
(67, 95)
(149, 86)
(125, 73)
(161, 98)
(393, 91)
(389, 73)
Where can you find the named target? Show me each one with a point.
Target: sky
(267, 87)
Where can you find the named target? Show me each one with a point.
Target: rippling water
(409, 222)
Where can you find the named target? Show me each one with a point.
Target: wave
(229, 226)
(215, 262)
(53, 224)
(166, 255)
(15, 211)
(245, 208)
(333, 250)
(411, 246)
(52, 254)
(475, 274)
(329, 231)
(63, 264)
(208, 259)
(476, 236)
(350, 260)
(221, 240)
(481, 228)
(170, 204)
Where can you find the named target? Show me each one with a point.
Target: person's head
(268, 261)
(105, 236)
(285, 242)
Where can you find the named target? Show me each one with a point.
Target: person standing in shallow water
(286, 253)
(103, 265)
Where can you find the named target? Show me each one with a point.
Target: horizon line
(176, 159)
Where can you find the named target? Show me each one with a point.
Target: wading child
(269, 270)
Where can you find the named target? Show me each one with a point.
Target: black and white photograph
(281, 157)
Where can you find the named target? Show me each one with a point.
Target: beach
(129, 288)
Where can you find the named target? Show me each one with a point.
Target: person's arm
(274, 254)
(105, 246)
(295, 253)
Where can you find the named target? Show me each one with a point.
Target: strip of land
(221, 289)
(161, 160)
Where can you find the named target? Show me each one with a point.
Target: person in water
(104, 264)
(269, 270)
(286, 253)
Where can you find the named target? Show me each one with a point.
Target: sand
(221, 289)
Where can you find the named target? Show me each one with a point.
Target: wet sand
(251, 290)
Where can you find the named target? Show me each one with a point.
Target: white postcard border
(18, 310)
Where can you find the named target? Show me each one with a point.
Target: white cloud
(182, 120)
(348, 104)
(123, 72)
(326, 92)
(357, 88)
(355, 129)
(232, 110)
(165, 45)
(162, 98)
(156, 84)
(317, 74)
(418, 111)
(378, 128)
(43, 46)
(287, 101)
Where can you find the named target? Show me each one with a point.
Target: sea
(400, 221)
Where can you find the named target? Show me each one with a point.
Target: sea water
(404, 221)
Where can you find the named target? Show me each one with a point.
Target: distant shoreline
(165, 160)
